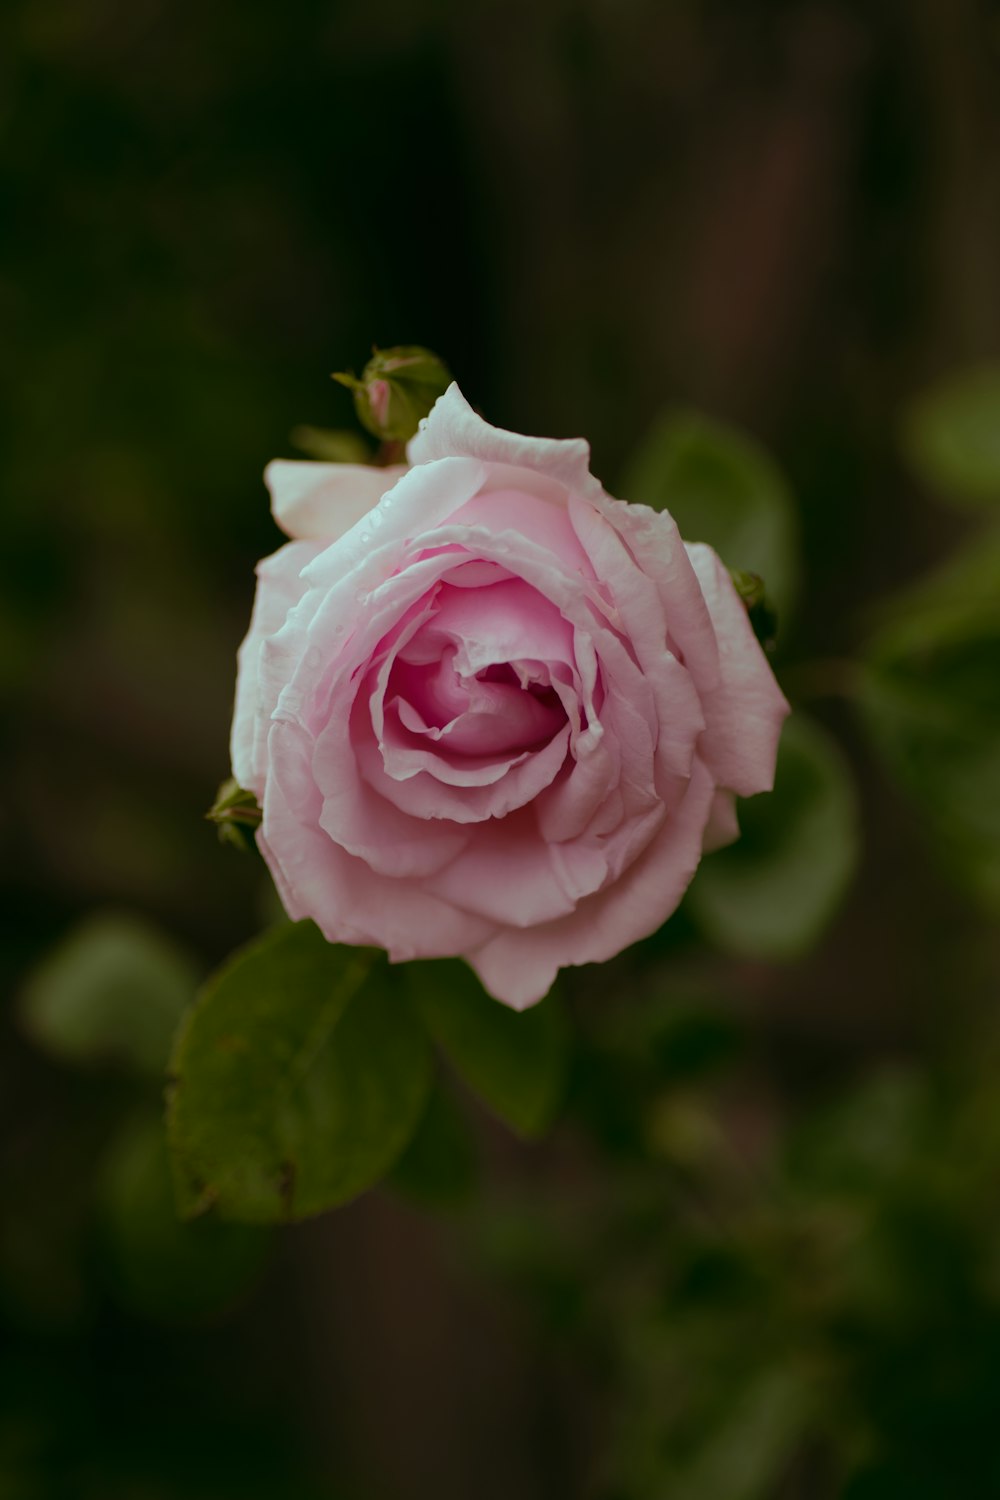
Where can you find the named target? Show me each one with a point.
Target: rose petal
(544, 522)
(722, 827)
(366, 825)
(509, 876)
(746, 708)
(349, 902)
(518, 967)
(659, 605)
(454, 428)
(373, 550)
(279, 588)
(652, 539)
(319, 502)
(425, 795)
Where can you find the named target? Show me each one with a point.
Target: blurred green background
(759, 1253)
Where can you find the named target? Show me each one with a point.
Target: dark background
(787, 215)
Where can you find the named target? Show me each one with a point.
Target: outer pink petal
(349, 902)
(746, 710)
(366, 824)
(313, 501)
(568, 807)
(722, 827)
(279, 589)
(653, 622)
(453, 428)
(510, 876)
(655, 543)
(358, 588)
(545, 521)
(518, 967)
(381, 543)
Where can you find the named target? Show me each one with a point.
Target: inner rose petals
(362, 822)
(498, 733)
(459, 682)
(424, 795)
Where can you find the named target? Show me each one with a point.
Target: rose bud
(489, 711)
(397, 389)
(236, 815)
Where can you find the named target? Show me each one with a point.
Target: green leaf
(113, 991)
(747, 1454)
(160, 1267)
(930, 695)
(299, 1078)
(867, 1138)
(721, 487)
(515, 1061)
(771, 894)
(951, 436)
(439, 1167)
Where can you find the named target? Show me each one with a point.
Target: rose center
(502, 709)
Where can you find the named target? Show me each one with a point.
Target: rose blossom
(489, 711)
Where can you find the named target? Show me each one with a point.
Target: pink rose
(487, 710)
